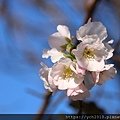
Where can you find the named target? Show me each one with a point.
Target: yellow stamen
(89, 53)
(67, 73)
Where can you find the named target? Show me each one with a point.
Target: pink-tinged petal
(80, 70)
(45, 76)
(70, 91)
(100, 77)
(44, 71)
(66, 61)
(92, 28)
(56, 70)
(56, 41)
(106, 75)
(73, 68)
(95, 65)
(63, 81)
(73, 83)
(110, 51)
(80, 89)
(66, 83)
(79, 51)
(110, 54)
(80, 96)
(50, 81)
(107, 66)
(63, 30)
(90, 39)
(91, 65)
(62, 84)
(100, 54)
(75, 91)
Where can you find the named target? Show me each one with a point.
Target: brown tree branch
(90, 9)
(44, 107)
(80, 111)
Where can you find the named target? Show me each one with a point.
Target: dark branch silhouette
(44, 107)
(90, 9)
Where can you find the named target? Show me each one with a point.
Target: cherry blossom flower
(90, 56)
(64, 74)
(78, 68)
(91, 53)
(61, 39)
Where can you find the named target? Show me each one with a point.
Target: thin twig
(44, 107)
(91, 9)
(81, 106)
(58, 101)
(34, 93)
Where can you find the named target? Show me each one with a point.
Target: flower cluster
(78, 66)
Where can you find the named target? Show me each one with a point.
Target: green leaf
(67, 55)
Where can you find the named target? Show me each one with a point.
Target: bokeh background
(25, 26)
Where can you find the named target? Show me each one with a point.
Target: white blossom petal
(54, 54)
(91, 65)
(110, 42)
(69, 91)
(80, 70)
(92, 28)
(62, 84)
(90, 39)
(74, 82)
(108, 66)
(45, 76)
(73, 68)
(56, 41)
(110, 51)
(94, 59)
(63, 30)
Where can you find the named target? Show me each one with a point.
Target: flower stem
(80, 108)
(44, 107)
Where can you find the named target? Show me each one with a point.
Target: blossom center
(67, 72)
(89, 53)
